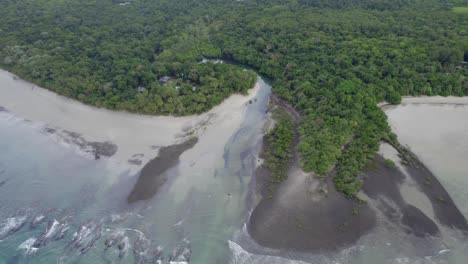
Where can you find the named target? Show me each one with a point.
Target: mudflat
(152, 175)
(307, 223)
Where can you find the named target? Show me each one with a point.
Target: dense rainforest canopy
(333, 60)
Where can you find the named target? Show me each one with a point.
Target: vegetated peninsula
(331, 61)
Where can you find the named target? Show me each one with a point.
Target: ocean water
(42, 177)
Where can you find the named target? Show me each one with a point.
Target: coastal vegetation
(278, 142)
(389, 163)
(332, 60)
(460, 6)
(112, 55)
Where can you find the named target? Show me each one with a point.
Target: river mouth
(74, 209)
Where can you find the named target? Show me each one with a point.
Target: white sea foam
(241, 256)
(38, 219)
(11, 225)
(115, 218)
(52, 231)
(27, 246)
(135, 230)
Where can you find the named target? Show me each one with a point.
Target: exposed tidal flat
(412, 210)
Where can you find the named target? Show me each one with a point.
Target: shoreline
(450, 100)
(138, 138)
(430, 100)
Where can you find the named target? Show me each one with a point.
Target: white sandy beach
(132, 133)
(450, 100)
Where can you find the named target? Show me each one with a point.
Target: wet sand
(152, 175)
(382, 185)
(306, 222)
(445, 210)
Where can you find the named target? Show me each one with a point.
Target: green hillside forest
(333, 60)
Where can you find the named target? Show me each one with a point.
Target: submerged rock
(113, 239)
(84, 239)
(156, 254)
(141, 245)
(123, 247)
(182, 252)
(40, 217)
(55, 230)
(28, 246)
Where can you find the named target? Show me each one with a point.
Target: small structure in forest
(463, 64)
(141, 89)
(164, 79)
(124, 3)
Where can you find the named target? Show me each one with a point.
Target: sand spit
(446, 212)
(131, 133)
(410, 210)
(382, 186)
